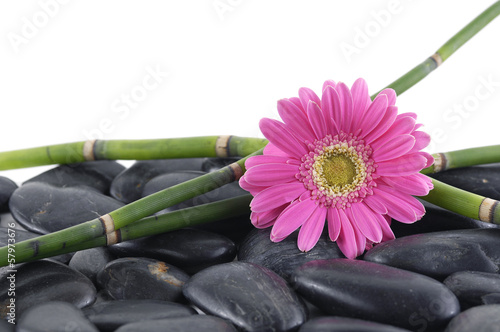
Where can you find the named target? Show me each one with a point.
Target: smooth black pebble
(375, 292)
(344, 324)
(470, 286)
(7, 187)
(440, 254)
(188, 249)
(142, 278)
(283, 257)
(54, 316)
(110, 315)
(252, 297)
(43, 208)
(90, 262)
(214, 164)
(202, 323)
(478, 319)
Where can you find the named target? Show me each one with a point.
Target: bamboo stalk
(416, 74)
(154, 225)
(108, 224)
(184, 147)
(464, 158)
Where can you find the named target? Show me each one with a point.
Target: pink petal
(334, 223)
(400, 126)
(267, 218)
(361, 241)
(414, 184)
(428, 157)
(376, 204)
(347, 239)
(317, 120)
(386, 229)
(367, 223)
(277, 195)
(296, 120)
(373, 115)
(269, 159)
(405, 165)
(254, 190)
(347, 104)
(271, 150)
(384, 124)
(306, 95)
(360, 101)
(410, 114)
(391, 96)
(292, 218)
(296, 102)
(422, 140)
(394, 148)
(329, 83)
(277, 134)
(332, 110)
(311, 230)
(401, 207)
(271, 174)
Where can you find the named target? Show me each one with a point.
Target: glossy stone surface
(344, 324)
(478, 319)
(142, 278)
(43, 208)
(188, 249)
(129, 184)
(183, 324)
(283, 257)
(375, 292)
(252, 297)
(440, 254)
(7, 187)
(470, 286)
(235, 229)
(110, 315)
(55, 317)
(91, 261)
(43, 281)
(97, 175)
(492, 298)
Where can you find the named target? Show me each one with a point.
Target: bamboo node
(113, 238)
(437, 59)
(88, 150)
(108, 224)
(222, 146)
(236, 170)
(487, 209)
(440, 162)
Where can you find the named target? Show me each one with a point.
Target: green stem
(464, 158)
(167, 222)
(416, 74)
(184, 147)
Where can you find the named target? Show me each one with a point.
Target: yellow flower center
(338, 170)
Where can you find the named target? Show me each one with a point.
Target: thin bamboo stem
(464, 158)
(416, 74)
(184, 147)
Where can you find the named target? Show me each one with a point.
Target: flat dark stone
(344, 324)
(374, 292)
(89, 262)
(170, 179)
(142, 278)
(482, 318)
(470, 286)
(440, 254)
(110, 315)
(55, 317)
(5, 326)
(96, 174)
(250, 296)
(213, 164)
(283, 257)
(235, 229)
(437, 219)
(7, 187)
(43, 281)
(129, 184)
(492, 298)
(43, 208)
(188, 249)
(20, 235)
(182, 324)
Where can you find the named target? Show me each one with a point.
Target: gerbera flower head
(343, 159)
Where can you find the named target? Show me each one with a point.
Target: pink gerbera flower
(343, 158)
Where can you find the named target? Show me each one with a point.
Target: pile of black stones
(440, 274)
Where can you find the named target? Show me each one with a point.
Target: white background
(66, 65)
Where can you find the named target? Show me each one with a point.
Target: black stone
(437, 219)
(283, 257)
(374, 292)
(172, 178)
(483, 318)
(7, 187)
(142, 278)
(55, 316)
(110, 315)
(492, 298)
(252, 297)
(43, 281)
(344, 324)
(19, 235)
(440, 254)
(97, 175)
(213, 164)
(483, 180)
(470, 286)
(43, 208)
(182, 324)
(129, 184)
(89, 262)
(5, 326)
(235, 228)
(188, 249)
